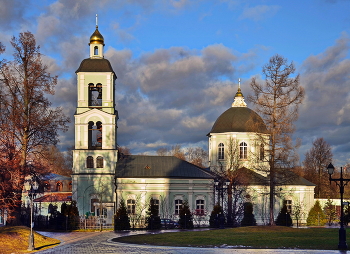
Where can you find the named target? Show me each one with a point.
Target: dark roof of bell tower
(95, 65)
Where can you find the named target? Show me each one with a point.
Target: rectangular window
(104, 212)
(93, 201)
(131, 205)
(178, 205)
(156, 204)
(200, 207)
(289, 206)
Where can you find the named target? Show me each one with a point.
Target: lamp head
(216, 182)
(330, 169)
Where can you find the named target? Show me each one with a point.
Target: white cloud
(259, 12)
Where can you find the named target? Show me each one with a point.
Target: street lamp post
(341, 182)
(31, 187)
(221, 186)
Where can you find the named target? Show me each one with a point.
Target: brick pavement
(101, 242)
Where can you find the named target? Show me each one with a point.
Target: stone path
(101, 242)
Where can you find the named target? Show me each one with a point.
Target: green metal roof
(143, 166)
(283, 177)
(239, 119)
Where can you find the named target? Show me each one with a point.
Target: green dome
(239, 119)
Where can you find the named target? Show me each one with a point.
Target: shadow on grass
(47, 246)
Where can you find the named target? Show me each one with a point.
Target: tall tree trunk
(229, 206)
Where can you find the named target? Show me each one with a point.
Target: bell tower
(95, 154)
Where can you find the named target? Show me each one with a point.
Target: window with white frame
(131, 206)
(289, 206)
(104, 212)
(178, 205)
(200, 206)
(221, 151)
(156, 204)
(93, 202)
(243, 149)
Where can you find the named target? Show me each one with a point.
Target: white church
(102, 178)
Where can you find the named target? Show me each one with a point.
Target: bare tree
(28, 122)
(166, 207)
(276, 101)
(197, 156)
(124, 150)
(56, 161)
(178, 152)
(238, 181)
(137, 219)
(162, 151)
(315, 166)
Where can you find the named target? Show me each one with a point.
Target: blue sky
(178, 62)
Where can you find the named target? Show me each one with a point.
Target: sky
(178, 61)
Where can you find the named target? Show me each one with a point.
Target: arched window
(178, 205)
(221, 151)
(70, 186)
(47, 186)
(95, 135)
(131, 206)
(99, 162)
(98, 144)
(59, 186)
(243, 151)
(95, 95)
(262, 152)
(95, 50)
(89, 162)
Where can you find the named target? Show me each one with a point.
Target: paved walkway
(101, 242)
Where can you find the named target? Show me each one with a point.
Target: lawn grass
(259, 237)
(15, 240)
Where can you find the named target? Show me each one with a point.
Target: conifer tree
(330, 212)
(316, 216)
(283, 218)
(186, 220)
(153, 219)
(248, 218)
(214, 216)
(121, 218)
(277, 100)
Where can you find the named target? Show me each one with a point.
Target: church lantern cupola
(96, 43)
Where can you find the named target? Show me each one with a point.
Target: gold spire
(96, 37)
(239, 93)
(239, 98)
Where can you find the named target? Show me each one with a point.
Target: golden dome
(96, 38)
(239, 93)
